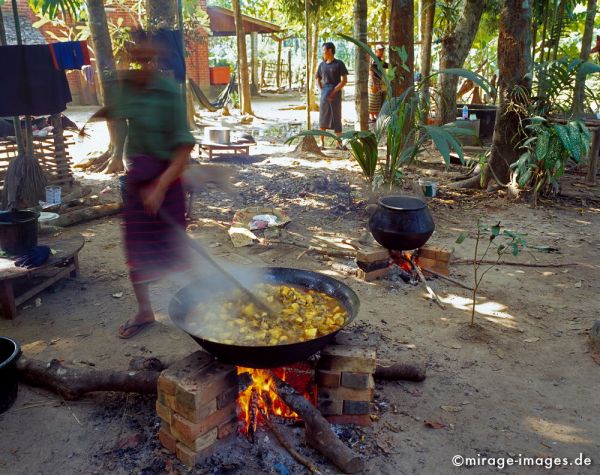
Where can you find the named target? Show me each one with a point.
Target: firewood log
(73, 383)
(400, 371)
(319, 433)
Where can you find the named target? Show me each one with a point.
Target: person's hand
(331, 96)
(153, 197)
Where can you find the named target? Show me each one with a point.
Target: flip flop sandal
(137, 329)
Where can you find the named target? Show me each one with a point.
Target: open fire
(259, 400)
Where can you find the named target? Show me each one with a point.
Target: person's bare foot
(135, 325)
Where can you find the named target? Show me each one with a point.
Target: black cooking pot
(18, 231)
(202, 291)
(10, 352)
(401, 223)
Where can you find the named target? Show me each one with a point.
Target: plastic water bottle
(465, 112)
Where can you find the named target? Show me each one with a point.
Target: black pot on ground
(18, 231)
(10, 352)
(401, 223)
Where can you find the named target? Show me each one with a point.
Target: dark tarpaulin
(29, 82)
(172, 57)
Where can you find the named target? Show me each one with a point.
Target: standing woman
(158, 149)
(332, 76)
(377, 85)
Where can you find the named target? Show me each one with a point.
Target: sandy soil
(523, 382)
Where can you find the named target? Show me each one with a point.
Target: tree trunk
(586, 44)
(161, 14)
(427, 17)
(361, 80)
(278, 70)
(105, 64)
(514, 62)
(254, 62)
(243, 76)
(455, 48)
(316, 47)
(401, 30)
(309, 71)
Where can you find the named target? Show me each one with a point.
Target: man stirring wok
(332, 76)
(158, 149)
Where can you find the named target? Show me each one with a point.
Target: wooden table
(215, 149)
(17, 284)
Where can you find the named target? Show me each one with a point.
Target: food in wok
(301, 315)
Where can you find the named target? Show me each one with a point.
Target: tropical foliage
(546, 153)
(401, 127)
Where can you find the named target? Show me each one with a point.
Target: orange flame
(260, 399)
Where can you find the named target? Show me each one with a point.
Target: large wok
(202, 291)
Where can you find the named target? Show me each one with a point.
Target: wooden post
(254, 62)
(290, 69)
(278, 71)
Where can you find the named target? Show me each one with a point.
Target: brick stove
(375, 262)
(197, 397)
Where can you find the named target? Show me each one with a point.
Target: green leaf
(515, 249)
(495, 230)
(461, 237)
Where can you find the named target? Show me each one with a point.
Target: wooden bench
(215, 149)
(18, 285)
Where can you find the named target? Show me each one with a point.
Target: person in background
(376, 84)
(158, 150)
(332, 76)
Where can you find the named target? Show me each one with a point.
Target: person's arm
(154, 196)
(319, 77)
(340, 85)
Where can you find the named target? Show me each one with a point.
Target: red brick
(331, 407)
(167, 440)
(357, 380)
(347, 394)
(329, 379)
(226, 398)
(228, 428)
(357, 407)
(197, 413)
(368, 255)
(201, 387)
(359, 420)
(188, 431)
(164, 412)
(200, 443)
(436, 252)
(190, 457)
(182, 372)
(358, 359)
(166, 400)
(166, 385)
(372, 275)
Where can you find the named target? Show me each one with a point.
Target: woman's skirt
(375, 101)
(330, 112)
(154, 248)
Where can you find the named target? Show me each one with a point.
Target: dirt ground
(522, 383)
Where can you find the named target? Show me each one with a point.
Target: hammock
(221, 100)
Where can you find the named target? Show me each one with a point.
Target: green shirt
(155, 116)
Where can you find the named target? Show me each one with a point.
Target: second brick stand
(345, 383)
(197, 405)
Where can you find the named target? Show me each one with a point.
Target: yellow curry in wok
(302, 314)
